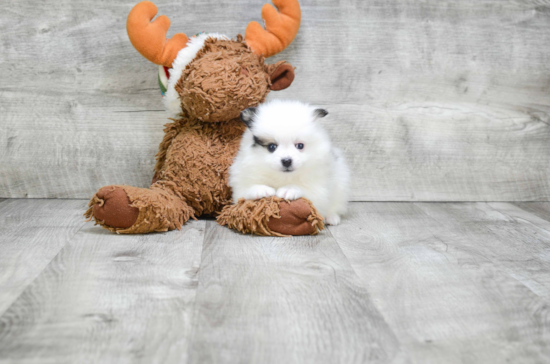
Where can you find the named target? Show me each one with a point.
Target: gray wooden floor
(396, 282)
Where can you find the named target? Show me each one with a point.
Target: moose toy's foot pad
(131, 210)
(272, 216)
(111, 207)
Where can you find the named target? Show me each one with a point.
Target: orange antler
(280, 28)
(149, 38)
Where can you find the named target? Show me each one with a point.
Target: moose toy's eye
(299, 146)
(271, 147)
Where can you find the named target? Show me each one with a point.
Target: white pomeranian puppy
(285, 152)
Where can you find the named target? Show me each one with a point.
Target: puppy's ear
(247, 116)
(319, 113)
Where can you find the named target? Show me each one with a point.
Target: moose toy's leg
(131, 210)
(272, 216)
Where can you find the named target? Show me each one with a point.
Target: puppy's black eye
(271, 147)
(299, 146)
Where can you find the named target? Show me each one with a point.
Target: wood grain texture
(270, 300)
(431, 100)
(458, 283)
(539, 209)
(512, 239)
(32, 232)
(417, 152)
(395, 282)
(108, 298)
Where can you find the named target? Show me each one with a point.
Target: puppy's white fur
(318, 171)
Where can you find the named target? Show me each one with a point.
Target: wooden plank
(433, 100)
(514, 240)
(32, 232)
(540, 209)
(109, 298)
(441, 152)
(534, 214)
(272, 300)
(441, 275)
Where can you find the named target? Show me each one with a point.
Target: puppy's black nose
(287, 162)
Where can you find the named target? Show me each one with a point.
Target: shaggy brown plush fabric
(192, 172)
(223, 79)
(196, 163)
(159, 210)
(271, 216)
(192, 169)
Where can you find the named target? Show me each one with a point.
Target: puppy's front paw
(290, 192)
(257, 192)
(333, 220)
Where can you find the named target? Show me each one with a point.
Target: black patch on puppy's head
(247, 116)
(320, 113)
(260, 142)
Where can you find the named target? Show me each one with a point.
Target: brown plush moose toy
(208, 79)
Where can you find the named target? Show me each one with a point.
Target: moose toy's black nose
(287, 162)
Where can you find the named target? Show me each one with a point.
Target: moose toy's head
(211, 77)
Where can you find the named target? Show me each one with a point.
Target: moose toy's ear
(281, 76)
(319, 113)
(247, 116)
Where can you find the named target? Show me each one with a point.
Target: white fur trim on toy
(185, 56)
